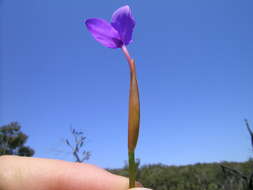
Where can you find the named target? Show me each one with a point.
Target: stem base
(132, 169)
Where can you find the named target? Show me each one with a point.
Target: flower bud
(134, 110)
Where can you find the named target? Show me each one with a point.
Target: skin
(46, 174)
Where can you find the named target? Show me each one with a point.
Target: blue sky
(194, 65)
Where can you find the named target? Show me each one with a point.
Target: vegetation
(77, 147)
(199, 176)
(12, 141)
(212, 176)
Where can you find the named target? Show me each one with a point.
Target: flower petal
(124, 23)
(104, 33)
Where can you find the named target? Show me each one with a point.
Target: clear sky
(194, 63)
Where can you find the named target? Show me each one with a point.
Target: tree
(12, 141)
(232, 173)
(77, 147)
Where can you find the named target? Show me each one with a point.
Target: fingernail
(138, 184)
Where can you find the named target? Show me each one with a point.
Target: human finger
(46, 174)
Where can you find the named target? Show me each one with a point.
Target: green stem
(132, 169)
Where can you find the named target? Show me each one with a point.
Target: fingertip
(138, 184)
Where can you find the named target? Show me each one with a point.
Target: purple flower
(115, 34)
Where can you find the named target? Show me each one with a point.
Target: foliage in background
(12, 141)
(212, 176)
(190, 177)
(77, 147)
(236, 175)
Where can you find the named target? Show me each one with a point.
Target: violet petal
(124, 23)
(104, 33)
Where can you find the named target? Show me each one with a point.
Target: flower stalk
(133, 118)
